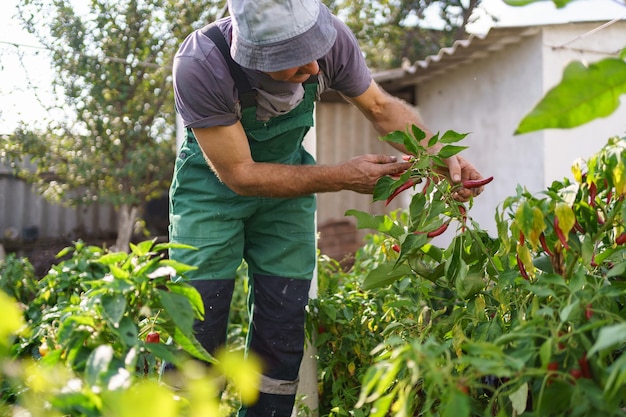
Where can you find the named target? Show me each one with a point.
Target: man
(244, 187)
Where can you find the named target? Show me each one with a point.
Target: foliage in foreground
(89, 339)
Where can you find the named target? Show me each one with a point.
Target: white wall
(490, 96)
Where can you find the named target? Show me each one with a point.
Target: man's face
(297, 74)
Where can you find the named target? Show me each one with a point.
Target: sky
(25, 75)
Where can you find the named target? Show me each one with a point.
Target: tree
(113, 62)
(392, 30)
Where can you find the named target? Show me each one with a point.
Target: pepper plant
(94, 332)
(529, 322)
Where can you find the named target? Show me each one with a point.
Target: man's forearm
(358, 174)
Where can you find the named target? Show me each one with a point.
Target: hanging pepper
(410, 183)
(544, 245)
(559, 233)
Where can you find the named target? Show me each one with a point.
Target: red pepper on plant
(621, 239)
(463, 212)
(584, 366)
(469, 184)
(593, 191)
(438, 230)
(559, 233)
(579, 228)
(410, 183)
(544, 244)
(553, 367)
(576, 373)
(153, 337)
(522, 268)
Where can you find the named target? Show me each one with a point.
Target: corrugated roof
(460, 53)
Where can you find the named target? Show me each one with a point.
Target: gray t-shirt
(205, 91)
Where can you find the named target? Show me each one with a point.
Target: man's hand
(361, 173)
(459, 170)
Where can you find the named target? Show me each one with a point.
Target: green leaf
(113, 307)
(418, 133)
(584, 94)
(118, 272)
(191, 294)
(189, 343)
(609, 337)
(178, 307)
(385, 274)
(557, 3)
(433, 140)
(519, 399)
(617, 270)
(383, 188)
(128, 332)
(396, 136)
(450, 150)
(112, 258)
(382, 223)
(142, 248)
(179, 267)
(451, 137)
(456, 404)
(468, 285)
(98, 364)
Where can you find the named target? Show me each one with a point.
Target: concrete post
(308, 368)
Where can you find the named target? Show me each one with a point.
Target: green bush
(95, 332)
(531, 322)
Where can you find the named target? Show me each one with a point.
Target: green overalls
(276, 237)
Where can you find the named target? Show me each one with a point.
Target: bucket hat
(274, 35)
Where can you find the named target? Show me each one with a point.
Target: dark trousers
(276, 334)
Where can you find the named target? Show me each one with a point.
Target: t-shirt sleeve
(345, 65)
(203, 88)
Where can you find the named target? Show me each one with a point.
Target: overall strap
(247, 95)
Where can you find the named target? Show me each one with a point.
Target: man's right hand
(361, 173)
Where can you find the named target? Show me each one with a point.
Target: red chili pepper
(396, 247)
(621, 239)
(544, 244)
(584, 366)
(426, 184)
(521, 238)
(476, 183)
(589, 311)
(578, 227)
(438, 230)
(576, 373)
(600, 219)
(153, 337)
(522, 269)
(463, 212)
(552, 368)
(410, 183)
(609, 195)
(593, 191)
(559, 233)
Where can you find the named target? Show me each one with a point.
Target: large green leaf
(585, 93)
(381, 223)
(385, 274)
(609, 337)
(557, 3)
